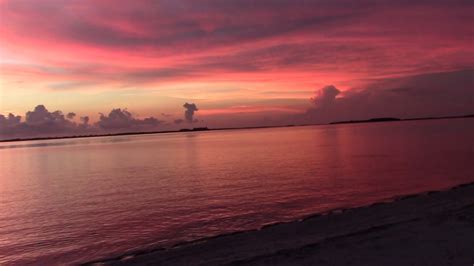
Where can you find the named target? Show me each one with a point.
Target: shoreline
(185, 130)
(302, 241)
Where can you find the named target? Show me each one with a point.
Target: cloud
(189, 113)
(43, 120)
(85, 121)
(435, 94)
(9, 121)
(326, 96)
(71, 115)
(42, 123)
(95, 42)
(39, 122)
(120, 119)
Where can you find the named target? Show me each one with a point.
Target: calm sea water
(71, 201)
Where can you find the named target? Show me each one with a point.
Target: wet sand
(432, 228)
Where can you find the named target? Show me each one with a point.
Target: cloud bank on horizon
(399, 97)
(436, 94)
(42, 123)
(259, 67)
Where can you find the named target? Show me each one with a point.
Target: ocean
(69, 201)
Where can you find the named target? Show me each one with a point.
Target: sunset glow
(236, 132)
(246, 60)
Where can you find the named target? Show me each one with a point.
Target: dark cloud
(42, 123)
(39, 122)
(43, 120)
(181, 25)
(326, 96)
(435, 94)
(71, 115)
(9, 121)
(120, 119)
(178, 121)
(173, 25)
(189, 113)
(85, 121)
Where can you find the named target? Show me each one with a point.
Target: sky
(75, 67)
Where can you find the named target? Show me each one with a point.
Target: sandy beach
(432, 228)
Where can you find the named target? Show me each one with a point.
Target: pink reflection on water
(83, 199)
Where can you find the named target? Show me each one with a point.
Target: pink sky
(241, 62)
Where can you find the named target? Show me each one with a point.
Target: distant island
(194, 129)
(394, 119)
(372, 120)
(197, 129)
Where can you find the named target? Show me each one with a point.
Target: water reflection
(61, 142)
(69, 201)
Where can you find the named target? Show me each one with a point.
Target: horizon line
(185, 130)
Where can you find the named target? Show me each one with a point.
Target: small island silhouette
(194, 129)
(394, 119)
(372, 120)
